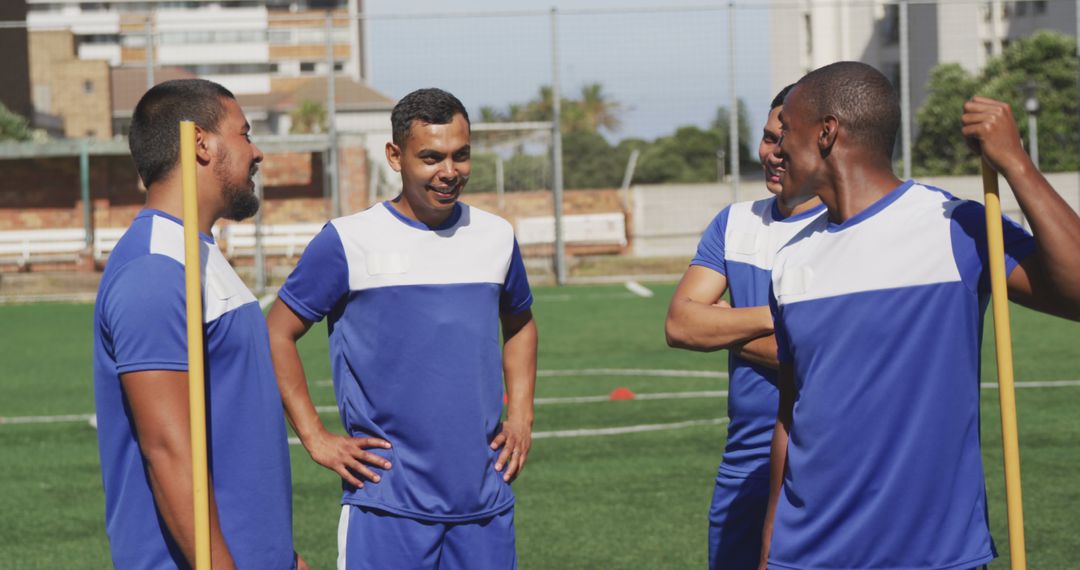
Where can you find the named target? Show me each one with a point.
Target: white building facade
(968, 32)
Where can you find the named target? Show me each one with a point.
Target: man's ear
(393, 156)
(830, 126)
(203, 144)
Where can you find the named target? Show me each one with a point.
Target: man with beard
(736, 254)
(416, 289)
(141, 360)
(879, 311)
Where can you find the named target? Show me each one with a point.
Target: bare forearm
(170, 481)
(777, 463)
(1056, 227)
(760, 351)
(292, 383)
(519, 371)
(785, 381)
(696, 326)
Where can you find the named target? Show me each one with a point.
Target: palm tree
(308, 117)
(598, 110)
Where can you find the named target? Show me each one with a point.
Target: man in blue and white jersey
(141, 359)
(415, 290)
(879, 309)
(736, 254)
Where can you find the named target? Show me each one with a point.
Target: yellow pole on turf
(200, 480)
(1006, 388)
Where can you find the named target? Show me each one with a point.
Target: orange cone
(621, 393)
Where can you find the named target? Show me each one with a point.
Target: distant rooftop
(129, 84)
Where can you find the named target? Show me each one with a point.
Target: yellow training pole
(200, 479)
(1006, 388)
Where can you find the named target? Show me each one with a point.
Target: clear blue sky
(667, 68)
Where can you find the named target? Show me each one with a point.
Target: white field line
(627, 429)
(45, 419)
(628, 372)
(636, 372)
(639, 289)
(70, 418)
(267, 300)
(569, 297)
(609, 431)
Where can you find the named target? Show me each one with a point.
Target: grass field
(617, 501)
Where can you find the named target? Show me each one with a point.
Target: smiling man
(415, 290)
(879, 309)
(735, 254)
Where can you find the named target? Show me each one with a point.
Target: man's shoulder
(485, 221)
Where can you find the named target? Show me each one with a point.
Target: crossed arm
(699, 319)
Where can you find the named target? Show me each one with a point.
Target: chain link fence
(625, 107)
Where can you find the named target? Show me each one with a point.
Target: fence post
(905, 91)
(331, 119)
(556, 150)
(733, 115)
(260, 255)
(84, 184)
(149, 51)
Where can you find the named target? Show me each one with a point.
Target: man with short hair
(415, 290)
(736, 254)
(879, 309)
(141, 359)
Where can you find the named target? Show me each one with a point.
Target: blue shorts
(736, 518)
(376, 540)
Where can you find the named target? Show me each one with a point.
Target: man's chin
(242, 208)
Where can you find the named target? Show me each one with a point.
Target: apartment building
(246, 45)
(818, 32)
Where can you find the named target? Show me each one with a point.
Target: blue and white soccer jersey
(415, 350)
(740, 244)
(881, 318)
(140, 325)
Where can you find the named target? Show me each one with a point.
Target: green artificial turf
(618, 501)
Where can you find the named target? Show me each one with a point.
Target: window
(1020, 9)
(891, 25)
(307, 67)
(1040, 7)
(88, 86)
(809, 34)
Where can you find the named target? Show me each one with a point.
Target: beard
(240, 203)
(240, 200)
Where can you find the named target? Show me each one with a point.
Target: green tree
(308, 117)
(13, 127)
(1048, 59)
(591, 162)
(939, 148)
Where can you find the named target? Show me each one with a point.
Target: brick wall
(45, 193)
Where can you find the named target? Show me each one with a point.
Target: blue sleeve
(969, 245)
(516, 295)
(783, 345)
(710, 250)
(145, 313)
(321, 277)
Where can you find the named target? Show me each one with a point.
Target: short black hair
(154, 138)
(779, 99)
(431, 105)
(861, 97)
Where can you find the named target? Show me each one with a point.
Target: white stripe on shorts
(342, 533)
